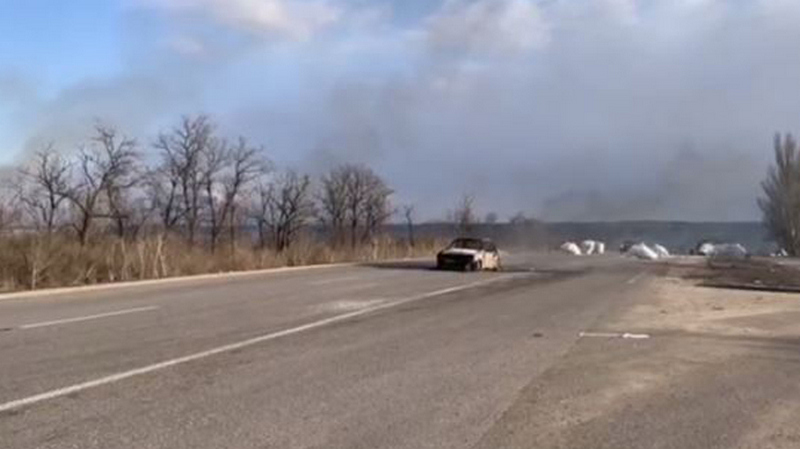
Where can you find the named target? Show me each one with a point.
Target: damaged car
(469, 254)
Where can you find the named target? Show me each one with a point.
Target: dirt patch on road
(682, 301)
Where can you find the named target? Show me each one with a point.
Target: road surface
(385, 356)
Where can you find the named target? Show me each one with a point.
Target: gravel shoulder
(719, 371)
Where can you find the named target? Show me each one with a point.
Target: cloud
(187, 46)
(292, 19)
(148, 92)
(587, 116)
(487, 26)
(565, 109)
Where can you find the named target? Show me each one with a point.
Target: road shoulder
(719, 371)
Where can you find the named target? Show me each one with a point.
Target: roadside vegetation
(190, 202)
(780, 203)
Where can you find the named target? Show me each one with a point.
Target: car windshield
(466, 244)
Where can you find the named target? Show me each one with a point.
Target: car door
(492, 257)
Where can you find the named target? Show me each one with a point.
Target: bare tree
(227, 173)
(162, 190)
(138, 213)
(42, 188)
(355, 201)
(123, 175)
(284, 207)
(377, 208)
(355, 180)
(248, 164)
(180, 181)
(780, 204)
(464, 214)
(215, 158)
(333, 201)
(106, 168)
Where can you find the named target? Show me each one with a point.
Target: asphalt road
(393, 356)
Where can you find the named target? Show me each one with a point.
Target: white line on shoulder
(87, 318)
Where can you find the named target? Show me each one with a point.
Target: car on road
(469, 254)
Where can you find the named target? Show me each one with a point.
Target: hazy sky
(564, 109)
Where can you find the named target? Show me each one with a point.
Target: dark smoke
(564, 109)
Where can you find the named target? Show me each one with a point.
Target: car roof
(472, 239)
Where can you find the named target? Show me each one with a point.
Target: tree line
(193, 184)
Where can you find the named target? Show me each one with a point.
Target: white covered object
(642, 251)
(780, 253)
(588, 247)
(706, 249)
(733, 250)
(661, 251)
(730, 250)
(600, 248)
(571, 248)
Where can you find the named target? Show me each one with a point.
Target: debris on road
(600, 249)
(705, 249)
(571, 248)
(642, 251)
(722, 250)
(661, 251)
(730, 250)
(780, 253)
(586, 248)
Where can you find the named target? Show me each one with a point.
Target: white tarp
(661, 251)
(642, 251)
(730, 250)
(780, 253)
(706, 249)
(588, 247)
(571, 248)
(733, 250)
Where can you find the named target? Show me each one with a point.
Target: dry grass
(32, 261)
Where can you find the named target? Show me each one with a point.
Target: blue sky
(61, 43)
(673, 101)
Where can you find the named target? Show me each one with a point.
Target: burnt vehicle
(469, 254)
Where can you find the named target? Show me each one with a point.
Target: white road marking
(598, 335)
(65, 391)
(635, 279)
(626, 336)
(87, 318)
(636, 336)
(342, 306)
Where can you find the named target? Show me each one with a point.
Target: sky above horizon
(562, 109)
